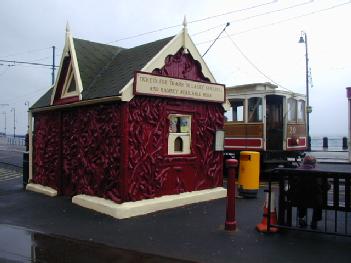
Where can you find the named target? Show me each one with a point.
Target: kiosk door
(274, 123)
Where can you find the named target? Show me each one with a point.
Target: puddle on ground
(21, 245)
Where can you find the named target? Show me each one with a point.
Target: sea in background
(335, 143)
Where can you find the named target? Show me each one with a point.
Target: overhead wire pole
(228, 24)
(53, 65)
(303, 40)
(4, 113)
(14, 121)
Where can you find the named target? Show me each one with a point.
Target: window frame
(289, 110)
(232, 110)
(303, 120)
(186, 145)
(260, 120)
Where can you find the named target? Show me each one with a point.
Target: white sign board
(153, 85)
(219, 144)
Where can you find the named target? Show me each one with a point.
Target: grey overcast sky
(266, 32)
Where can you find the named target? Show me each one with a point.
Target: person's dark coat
(308, 190)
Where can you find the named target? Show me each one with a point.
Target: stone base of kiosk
(41, 189)
(130, 209)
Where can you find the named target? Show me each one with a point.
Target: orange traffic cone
(263, 227)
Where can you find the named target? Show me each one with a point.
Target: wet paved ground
(36, 228)
(12, 155)
(8, 173)
(22, 245)
(193, 233)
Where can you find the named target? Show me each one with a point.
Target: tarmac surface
(37, 228)
(190, 233)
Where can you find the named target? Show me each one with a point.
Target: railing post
(344, 143)
(325, 142)
(230, 222)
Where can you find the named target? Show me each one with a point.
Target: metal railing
(10, 140)
(336, 208)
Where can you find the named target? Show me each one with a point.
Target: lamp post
(14, 122)
(26, 103)
(303, 40)
(4, 113)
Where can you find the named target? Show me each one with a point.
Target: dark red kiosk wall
(78, 151)
(90, 150)
(151, 171)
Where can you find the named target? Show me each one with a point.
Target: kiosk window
(179, 134)
(255, 109)
(178, 144)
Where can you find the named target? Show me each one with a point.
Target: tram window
(228, 115)
(179, 134)
(291, 110)
(300, 111)
(255, 109)
(237, 112)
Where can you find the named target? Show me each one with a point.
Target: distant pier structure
(348, 93)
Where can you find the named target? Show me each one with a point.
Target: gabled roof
(92, 58)
(101, 70)
(116, 74)
(106, 69)
(44, 100)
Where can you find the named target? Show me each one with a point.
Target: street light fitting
(301, 40)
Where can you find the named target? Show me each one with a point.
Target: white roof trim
(181, 40)
(69, 46)
(76, 71)
(69, 78)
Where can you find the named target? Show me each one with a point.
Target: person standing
(310, 191)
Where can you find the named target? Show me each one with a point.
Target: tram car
(268, 120)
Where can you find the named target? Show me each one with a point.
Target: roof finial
(185, 32)
(68, 30)
(185, 23)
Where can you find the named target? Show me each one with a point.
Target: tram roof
(265, 88)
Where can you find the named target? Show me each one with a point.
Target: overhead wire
(254, 16)
(26, 52)
(193, 21)
(232, 12)
(27, 62)
(280, 21)
(253, 64)
(216, 16)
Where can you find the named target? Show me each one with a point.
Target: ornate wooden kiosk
(128, 124)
